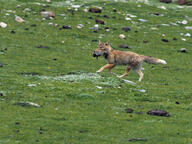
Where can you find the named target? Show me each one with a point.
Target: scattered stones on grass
(98, 21)
(47, 14)
(129, 110)
(95, 10)
(165, 40)
(137, 139)
(166, 1)
(19, 19)
(124, 46)
(3, 25)
(122, 36)
(158, 113)
(41, 46)
(183, 50)
(126, 29)
(27, 104)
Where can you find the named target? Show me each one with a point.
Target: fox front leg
(109, 66)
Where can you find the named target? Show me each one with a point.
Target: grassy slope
(78, 112)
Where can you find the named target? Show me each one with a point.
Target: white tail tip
(162, 61)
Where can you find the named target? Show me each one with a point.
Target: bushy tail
(152, 60)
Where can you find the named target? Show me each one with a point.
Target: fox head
(103, 49)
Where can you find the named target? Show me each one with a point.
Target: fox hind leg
(140, 74)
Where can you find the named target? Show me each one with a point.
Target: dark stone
(177, 102)
(166, 1)
(158, 113)
(90, 17)
(106, 27)
(94, 40)
(129, 110)
(40, 132)
(1, 94)
(174, 38)
(145, 41)
(26, 29)
(83, 131)
(137, 139)
(66, 27)
(99, 21)
(40, 46)
(165, 40)
(17, 123)
(136, 31)
(156, 13)
(55, 59)
(182, 2)
(114, 10)
(106, 16)
(33, 25)
(29, 73)
(183, 50)
(126, 29)
(13, 32)
(95, 10)
(124, 46)
(95, 31)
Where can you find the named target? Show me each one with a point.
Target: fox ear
(107, 43)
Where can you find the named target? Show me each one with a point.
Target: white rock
(183, 39)
(127, 18)
(142, 90)
(76, 6)
(187, 35)
(132, 16)
(122, 36)
(47, 14)
(188, 27)
(48, 0)
(86, 10)
(142, 20)
(96, 25)
(162, 7)
(3, 25)
(33, 104)
(184, 22)
(99, 87)
(79, 26)
(19, 19)
(50, 23)
(31, 85)
(63, 41)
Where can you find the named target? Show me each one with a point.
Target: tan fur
(130, 59)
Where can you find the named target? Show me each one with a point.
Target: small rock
(184, 22)
(33, 25)
(183, 50)
(83, 131)
(1, 94)
(139, 113)
(3, 25)
(137, 139)
(177, 102)
(80, 26)
(158, 113)
(13, 32)
(162, 7)
(40, 46)
(99, 87)
(128, 18)
(31, 85)
(188, 27)
(66, 27)
(48, 0)
(124, 46)
(54, 59)
(99, 21)
(106, 16)
(86, 10)
(47, 14)
(142, 90)
(183, 39)
(129, 110)
(126, 29)
(95, 10)
(19, 19)
(187, 35)
(122, 36)
(145, 41)
(17, 123)
(142, 20)
(1, 65)
(174, 38)
(165, 40)
(27, 104)
(166, 1)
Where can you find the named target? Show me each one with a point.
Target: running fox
(130, 59)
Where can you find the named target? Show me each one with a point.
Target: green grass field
(54, 67)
